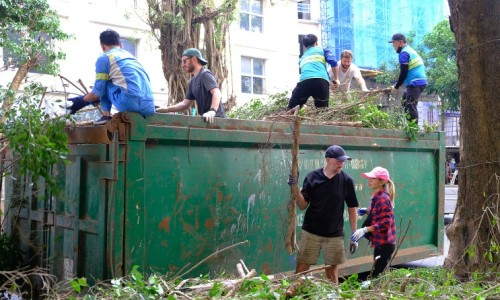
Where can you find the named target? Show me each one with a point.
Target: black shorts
(317, 88)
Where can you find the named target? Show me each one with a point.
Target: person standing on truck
(120, 81)
(203, 88)
(347, 71)
(323, 193)
(380, 226)
(412, 74)
(314, 79)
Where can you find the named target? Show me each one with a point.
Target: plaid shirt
(383, 220)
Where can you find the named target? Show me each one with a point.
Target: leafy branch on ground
(420, 283)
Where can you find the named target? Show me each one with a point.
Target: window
(130, 45)
(304, 9)
(251, 15)
(252, 75)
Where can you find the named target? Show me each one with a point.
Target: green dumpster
(167, 191)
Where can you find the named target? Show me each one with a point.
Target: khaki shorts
(310, 246)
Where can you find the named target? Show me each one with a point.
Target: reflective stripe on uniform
(417, 61)
(101, 76)
(313, 58)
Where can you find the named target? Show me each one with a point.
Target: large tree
(475, 231)
(178, 25)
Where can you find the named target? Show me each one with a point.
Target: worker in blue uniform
(412, 74)
(120, 81)
(314, 80)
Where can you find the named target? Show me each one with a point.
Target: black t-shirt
(325, 213)
(199, 90)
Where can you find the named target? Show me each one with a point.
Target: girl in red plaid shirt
(380, 226)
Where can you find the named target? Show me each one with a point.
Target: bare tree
(178, 25)
(475, 231)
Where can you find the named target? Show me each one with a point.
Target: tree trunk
(178, 27)
(473, 233)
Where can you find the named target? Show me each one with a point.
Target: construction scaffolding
(365, 26)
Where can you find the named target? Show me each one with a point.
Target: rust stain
(219, 196)
(165, 224)
(269, 246)
(229, 197)
(209, 224)
(173, 268)
(196, 220)
(265, 268)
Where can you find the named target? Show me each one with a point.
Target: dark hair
(109, 37)
(309, 40)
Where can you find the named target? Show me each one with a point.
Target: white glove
(359, 234)
(209, 116)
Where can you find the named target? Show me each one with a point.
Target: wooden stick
(294, 189)
(210, 256)
(68, 81)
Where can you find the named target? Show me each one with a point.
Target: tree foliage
(441, 65)
(178, 25)
(29, 30)
(37, 141)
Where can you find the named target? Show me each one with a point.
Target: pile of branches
(340, 112)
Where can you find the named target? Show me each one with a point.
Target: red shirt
(383, 220)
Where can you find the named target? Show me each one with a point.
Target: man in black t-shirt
(202, 88)
(323, 194)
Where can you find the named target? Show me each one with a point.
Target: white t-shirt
(345, 78)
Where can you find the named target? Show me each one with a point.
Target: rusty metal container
(167, 191)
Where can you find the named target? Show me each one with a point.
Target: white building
(263, 45)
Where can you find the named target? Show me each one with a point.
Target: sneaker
(102, 120)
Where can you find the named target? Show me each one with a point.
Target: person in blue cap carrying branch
(120, 81)
(203, 88)
(324, 192)
(411, 74)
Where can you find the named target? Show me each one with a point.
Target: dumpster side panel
(204, 189)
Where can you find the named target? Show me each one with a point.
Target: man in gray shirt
(203, 88)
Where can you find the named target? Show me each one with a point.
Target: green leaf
(75, 285)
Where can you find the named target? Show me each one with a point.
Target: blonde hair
(391, 190)
(346, 54)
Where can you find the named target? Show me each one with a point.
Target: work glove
(362, 211)
(336, 83)
(78, 103)
(393, 89)
(209, 116)
(291, 180)
(358, 234)
(353, 246)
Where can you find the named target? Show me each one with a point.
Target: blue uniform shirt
(313, 64)
(122, 81)
(416, 69)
